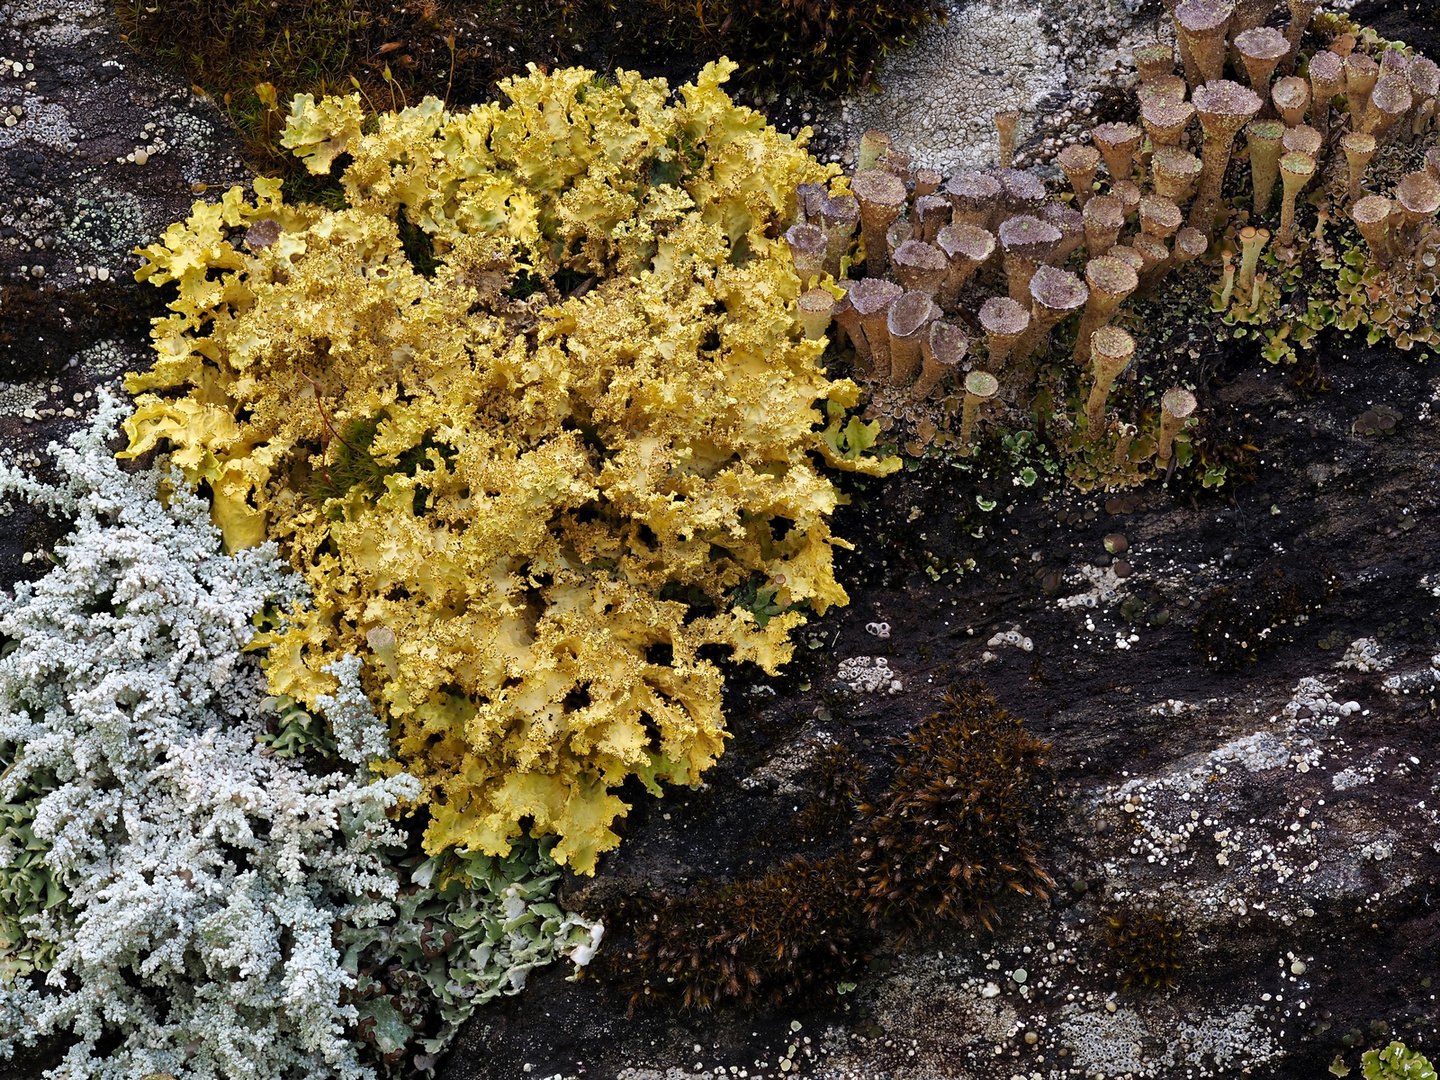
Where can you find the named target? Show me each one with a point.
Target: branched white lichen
(203, 877)
(204, 884)
(360, 734)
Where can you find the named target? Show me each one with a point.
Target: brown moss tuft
(954, 830)
(801, 44)
(1146, 948)
(957, 827)
(785, 938)
(839, 780)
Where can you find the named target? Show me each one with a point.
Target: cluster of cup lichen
(1327, 275)
(938, 247)
(526, 413)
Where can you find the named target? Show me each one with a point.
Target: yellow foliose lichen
(528, 414)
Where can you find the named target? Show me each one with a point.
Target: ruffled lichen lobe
(562, 337)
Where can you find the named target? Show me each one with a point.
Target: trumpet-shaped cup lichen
(525, 414)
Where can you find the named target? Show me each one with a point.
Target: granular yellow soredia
(526, 413)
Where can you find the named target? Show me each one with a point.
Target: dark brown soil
(1415, 22)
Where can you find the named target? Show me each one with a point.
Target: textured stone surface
(74, 196)
(74, 204)
(1162, 766)
(938, 99)
(1280, 810)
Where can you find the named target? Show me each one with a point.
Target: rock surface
(98, 153)
(1266, 790)
(1278, 802)
(938, 100)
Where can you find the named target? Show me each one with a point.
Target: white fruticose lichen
(202, 876)
(210, 883)
(360, 736)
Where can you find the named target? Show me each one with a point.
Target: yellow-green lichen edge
(526, 414)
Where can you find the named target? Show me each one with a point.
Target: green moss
(229, 48)
(346, 463)
(420, 249)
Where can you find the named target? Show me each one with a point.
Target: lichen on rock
(183, 857)
(526, 414)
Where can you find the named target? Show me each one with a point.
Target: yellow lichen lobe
(526, 465)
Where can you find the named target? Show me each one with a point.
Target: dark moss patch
(1416, 24)
(953, 831)
(806, 44)
(1240, 624)
(956, 828)
(785, 938)
(32, 1061)
(253, 56)
(1146, 949)
(346, 463)
(418, 246)
(839, 777)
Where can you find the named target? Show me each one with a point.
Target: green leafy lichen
(468, 930)
(1396, 1062)
(28, 887)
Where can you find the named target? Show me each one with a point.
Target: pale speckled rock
(71, 214)
(104, 152)
(938, 99)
